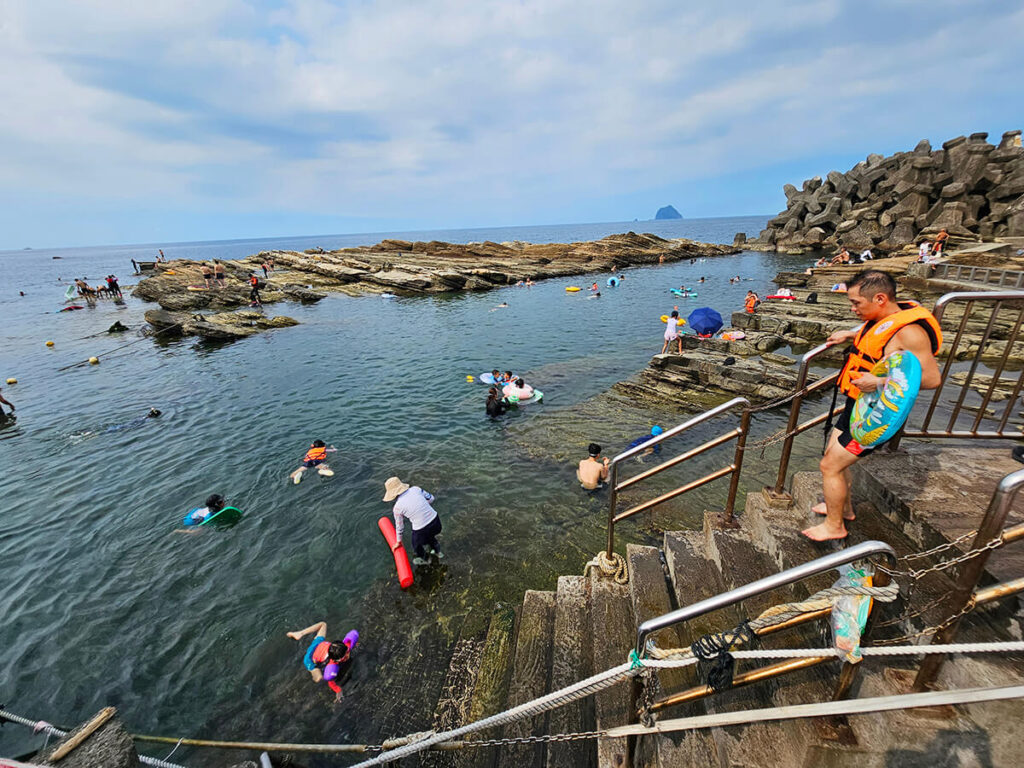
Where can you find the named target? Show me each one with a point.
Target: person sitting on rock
(923, 250)
(593, 470)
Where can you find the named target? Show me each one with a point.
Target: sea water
(104, 604)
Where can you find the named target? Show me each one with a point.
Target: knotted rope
(614, 566)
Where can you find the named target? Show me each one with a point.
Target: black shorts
(843, 425)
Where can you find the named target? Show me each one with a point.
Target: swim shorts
(313, 463)
(845, 438)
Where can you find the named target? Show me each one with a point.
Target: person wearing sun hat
(413, 503)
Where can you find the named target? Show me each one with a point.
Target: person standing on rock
(413, 503)
(889, 326)
(940, 242)
(207, 274)
(218, 273)
(672, 333)
(254, 291)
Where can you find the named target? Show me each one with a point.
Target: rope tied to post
(614, 566)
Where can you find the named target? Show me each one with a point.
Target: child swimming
(316, 457)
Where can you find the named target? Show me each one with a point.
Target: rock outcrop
(969, 187)
(219, 326)
(668, 212)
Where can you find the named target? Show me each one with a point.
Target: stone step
(571, 662)
(614, 634)
(742, 561)
(456, 698)
(650, 597)
(531, 670)
(490, 692)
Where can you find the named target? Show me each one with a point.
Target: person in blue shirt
(655, 431)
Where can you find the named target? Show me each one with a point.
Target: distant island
(668, 212)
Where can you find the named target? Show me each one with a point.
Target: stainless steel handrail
(992, 525)
(767, 584)
(739, 433)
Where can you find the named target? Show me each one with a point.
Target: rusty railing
(963, 597)
(1002, 278)
(969, 299)
(793, 575)
(739, 434)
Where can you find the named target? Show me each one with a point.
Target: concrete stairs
(588, 624)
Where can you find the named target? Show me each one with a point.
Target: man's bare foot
(294, 635)
(820, 509)
(822, 532)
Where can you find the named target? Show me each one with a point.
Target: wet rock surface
(973, 189)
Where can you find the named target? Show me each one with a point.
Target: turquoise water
(105, 604)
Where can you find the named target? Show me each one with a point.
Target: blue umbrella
(705, 321)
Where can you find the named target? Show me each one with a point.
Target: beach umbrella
(705, 321)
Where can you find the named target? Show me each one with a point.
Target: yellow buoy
(469, 378)
(94, 361)
(572, 288)
(49, 343)
(12, 381)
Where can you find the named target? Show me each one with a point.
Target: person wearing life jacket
(751, 302)
(889, 326)
(254, 291)
(325, 660)
(316, 457)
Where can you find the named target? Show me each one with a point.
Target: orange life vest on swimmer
(749, 303)
(316, 454)
(869, 343)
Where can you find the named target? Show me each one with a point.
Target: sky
(142, 122)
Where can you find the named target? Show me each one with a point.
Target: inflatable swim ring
(535, 397)
(683, 294)
(613, 281)
(572, 288)
(487, 378)
(734, 335)
(680, 321)
(227, 516)
(878, 415)
(779, 296)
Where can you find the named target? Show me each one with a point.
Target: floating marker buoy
(49, 343)
(469, 378)
(12, 381)
(94, 361)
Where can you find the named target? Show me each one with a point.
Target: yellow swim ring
(679, 321)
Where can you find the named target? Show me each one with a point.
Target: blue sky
(208, 119)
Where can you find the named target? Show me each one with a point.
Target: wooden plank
(82, 734)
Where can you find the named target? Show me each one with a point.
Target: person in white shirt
(866, 255)
(412, 503)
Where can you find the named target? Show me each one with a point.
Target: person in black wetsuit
(496, 404)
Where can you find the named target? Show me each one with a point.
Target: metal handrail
(739, 434)
(767, 584)
(992, 525)
(956, 272)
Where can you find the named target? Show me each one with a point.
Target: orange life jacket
(869, 344)
(316, 454)
(254, 281)
(750, 303)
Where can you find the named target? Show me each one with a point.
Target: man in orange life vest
(888, 326)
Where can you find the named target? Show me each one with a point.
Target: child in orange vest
(316, 456)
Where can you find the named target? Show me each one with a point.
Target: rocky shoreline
(398, 267)
(971, 188)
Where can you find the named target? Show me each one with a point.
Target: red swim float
(387, 529)
(777, 296)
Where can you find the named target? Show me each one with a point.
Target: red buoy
(387, 529)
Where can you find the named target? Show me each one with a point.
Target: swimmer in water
(152, 414)
(327, 661)
(503, 305)
(316, 457)
(199, 515)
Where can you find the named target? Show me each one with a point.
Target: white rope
(41, 726)
(848, 707)
(624, 671)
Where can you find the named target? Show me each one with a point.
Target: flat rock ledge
(219, 326)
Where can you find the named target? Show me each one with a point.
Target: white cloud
(468, 106)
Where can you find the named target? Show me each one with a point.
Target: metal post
(794, 417)
(969, 574)
(728, 519)
(613, 476)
